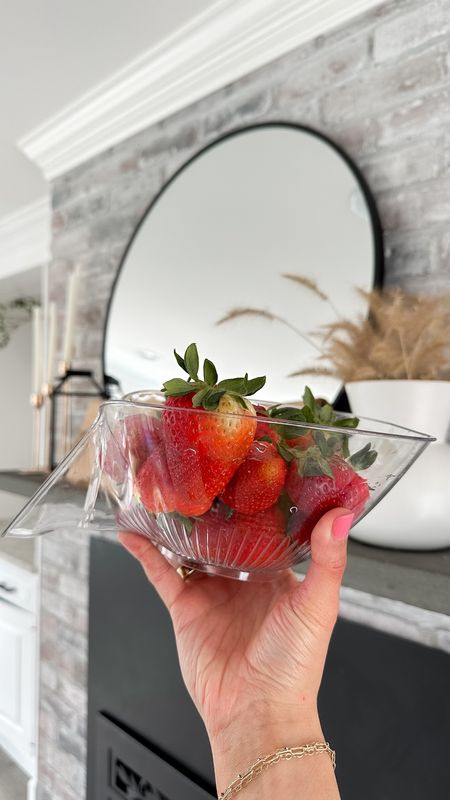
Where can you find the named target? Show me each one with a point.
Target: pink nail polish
(341, 526)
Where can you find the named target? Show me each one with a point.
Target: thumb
(320, 590)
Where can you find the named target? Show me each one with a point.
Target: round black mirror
(256, 205)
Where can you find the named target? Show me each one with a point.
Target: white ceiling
(53, 51)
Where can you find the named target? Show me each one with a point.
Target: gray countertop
(420, 579)
(21, 552)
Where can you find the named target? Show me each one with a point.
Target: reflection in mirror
(261, 203)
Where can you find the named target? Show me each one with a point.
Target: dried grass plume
(400, 336)
(403, 337)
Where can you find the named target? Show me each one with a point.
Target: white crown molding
(229, 40)
(25, 238)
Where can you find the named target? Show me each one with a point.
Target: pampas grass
(311, 285)
(402, 336)
(307, 283)
(237, 312)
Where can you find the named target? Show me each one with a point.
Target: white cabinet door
(17, 683)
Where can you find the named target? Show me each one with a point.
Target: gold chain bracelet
(284, 754)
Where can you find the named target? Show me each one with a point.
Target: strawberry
(131, 441)
(297, 437)
(265, 429)
(311, 492)
(243, 540)
(181, 437)
(316, 494)
(302, 441)
(258, 482)
(322, 473)
(355, 495)
(154, 484)
(205, 449)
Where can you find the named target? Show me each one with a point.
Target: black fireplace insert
(385, 704)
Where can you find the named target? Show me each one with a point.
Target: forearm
(309, 777)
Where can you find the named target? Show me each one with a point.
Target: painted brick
(67, 611)
(50, 576)
(410, 255)
(55, 706)
(329, 66)
(65, 556)
(408, 122)
(70, 770)
(236, 112)
(74, 664)
(71, 639)
(415, 163)
(435, 202)
(388, 86)
(359, 137)
(70, 242)
(137, 191)
(71, 693)
(88, 204)
(407, 31)
(62, 192)
(48, 726)
(400, 210)
(422, 284)
(44, 794)
(72, 744)
(155, 151)
(52, 654)
(111, 228)
(306, 113)
(47, 779)
(444, 249)
(49, 676)
(74, 588)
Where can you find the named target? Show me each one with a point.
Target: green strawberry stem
(208, 391)
(314, 460)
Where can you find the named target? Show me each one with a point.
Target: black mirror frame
(341, 401)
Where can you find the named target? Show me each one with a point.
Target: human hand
(254, 651)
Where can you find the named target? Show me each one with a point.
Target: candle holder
(47, 396)
(62, 391)
(36, 400)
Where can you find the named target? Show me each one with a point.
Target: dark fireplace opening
(140, 714)
(384, 703)
(126, 768)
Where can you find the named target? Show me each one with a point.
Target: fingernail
(341, 526)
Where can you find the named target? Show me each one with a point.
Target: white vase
(415, 515)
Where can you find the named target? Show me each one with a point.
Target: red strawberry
(355, 495)
(302, 441)
(205, 449)
(265, 429)
(312, 492)
(154, 484)
(224, 441)
(258, 482)
(130, 442)
(315, 494)
(181, 437)
(243, 540)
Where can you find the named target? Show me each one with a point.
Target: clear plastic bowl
(150, 469)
